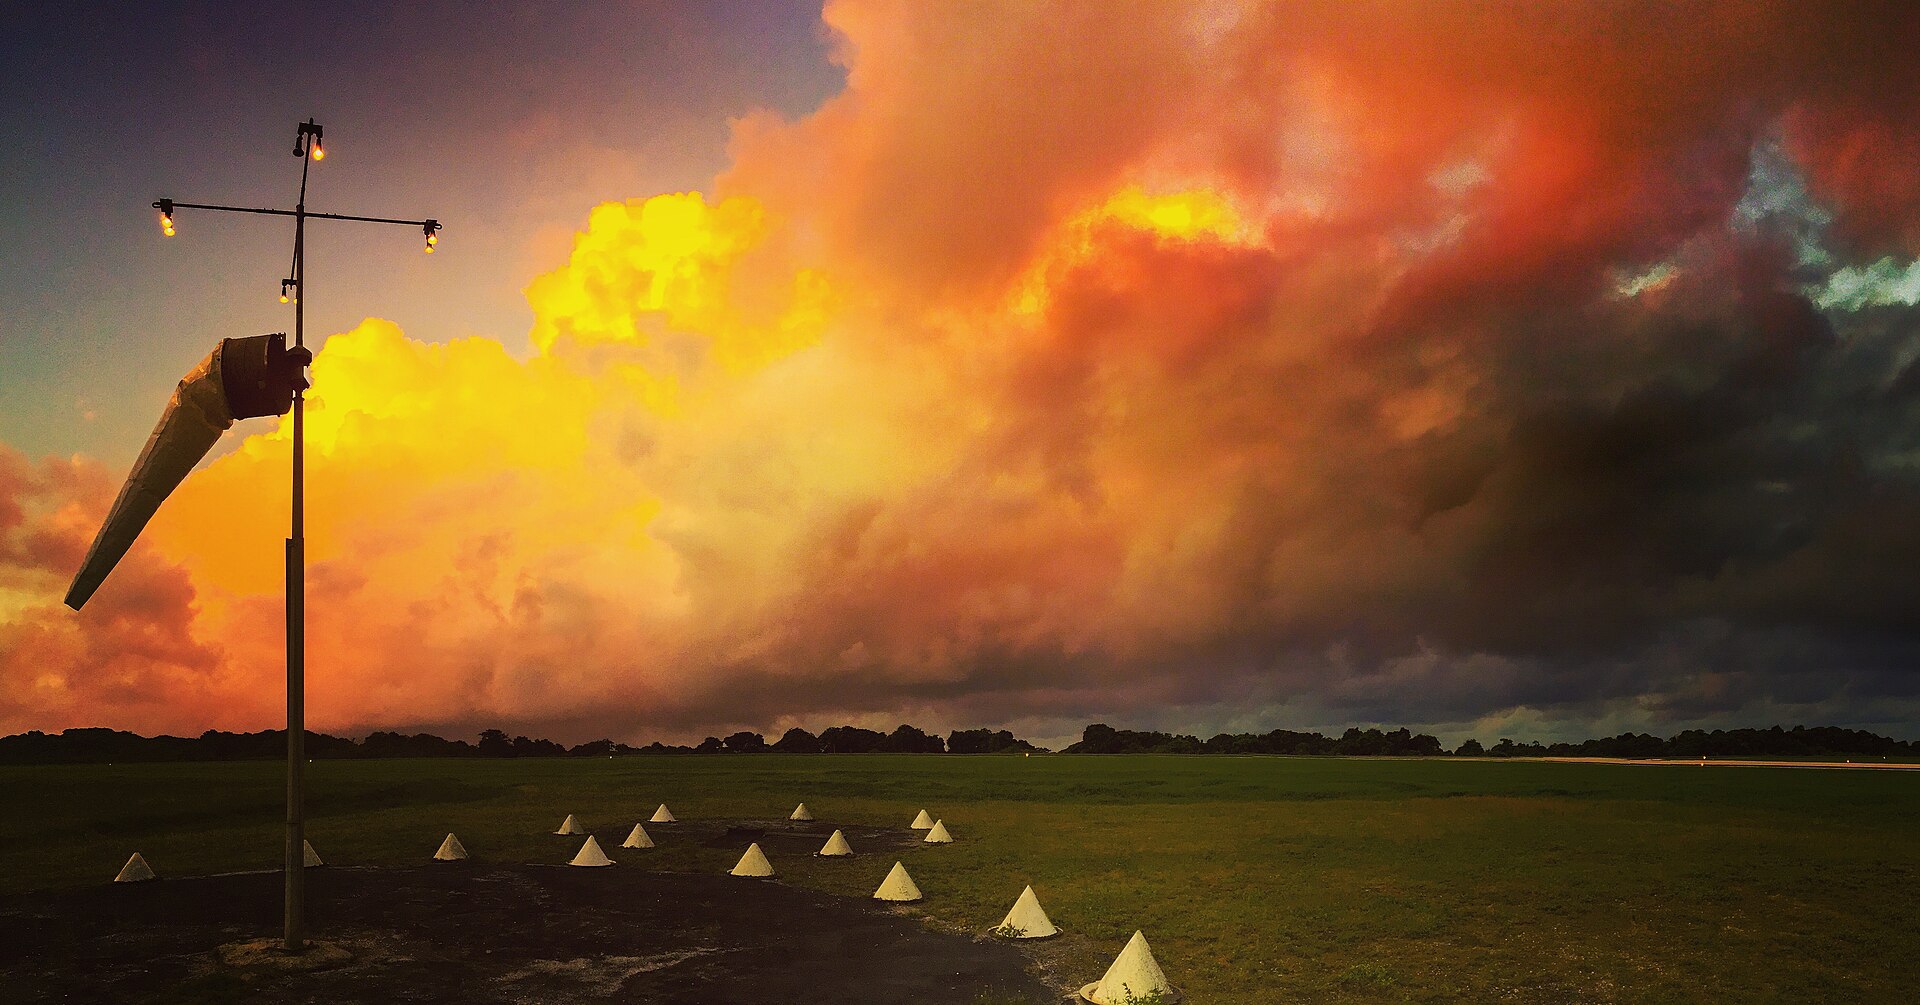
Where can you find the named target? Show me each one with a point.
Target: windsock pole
(295, 935)
(307, 146)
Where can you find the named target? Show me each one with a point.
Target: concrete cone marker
(310, 857)
(661, 815)
(898, 886)
(1134, 973)
(1026, 920)
(800, 813)
(835, 847)
(135, 871)
(938, 835)
(570, 826)
(637, 839)
(753, 863)
(451, 850)
(922, 822)
(590, 855)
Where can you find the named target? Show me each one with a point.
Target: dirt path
(469, 933)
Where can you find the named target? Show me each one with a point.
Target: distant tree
(710, 745)
(1361, 743)
(524, 747)
(494, 743)
(1471, 748)
(1098, 738)
(1101, 738)
(1181, 744)
(1508, 748)
(910, 740)
(417, 745)
(744, 742)
(596, 748)
(985, 741)
(797, 741)
(851, 740)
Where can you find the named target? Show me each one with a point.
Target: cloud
(1441, 364)
(133, 655)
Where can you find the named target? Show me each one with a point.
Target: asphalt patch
(482, 933)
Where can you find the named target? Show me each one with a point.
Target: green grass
(1256, 879)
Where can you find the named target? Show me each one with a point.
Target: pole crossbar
(293, 212)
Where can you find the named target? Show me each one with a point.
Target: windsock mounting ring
(260, 374)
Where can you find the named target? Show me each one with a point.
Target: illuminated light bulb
(319, 152)
(429, 248)
(433, 238)
(283, 298)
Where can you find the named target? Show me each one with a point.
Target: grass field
(1256, 879)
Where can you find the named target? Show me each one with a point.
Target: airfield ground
(1257, 879)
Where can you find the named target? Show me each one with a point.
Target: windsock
(240, 379)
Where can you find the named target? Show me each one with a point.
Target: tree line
(1101, 738)
(98, 745)
(95, 745)
(1800, 741)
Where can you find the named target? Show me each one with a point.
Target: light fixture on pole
(242, 378)
(307, 140)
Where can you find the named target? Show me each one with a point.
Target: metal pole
(295, 862)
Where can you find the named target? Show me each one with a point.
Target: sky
(1529, 370)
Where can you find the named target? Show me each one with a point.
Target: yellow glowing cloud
(387, 415)
(646, 271)
(1187, 215)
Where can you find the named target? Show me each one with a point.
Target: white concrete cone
(800, 813)
(898, 886)
(1134, 973)
(835, 847)
(570, 826)
(1026, 920)
(451, 850)
(938, 835)
(922, 822)
(637, 839)
(661, 815)
(308, 856)
(753, 863)
(135, 871)
(590, 855)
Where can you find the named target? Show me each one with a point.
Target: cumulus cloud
(1440, 364)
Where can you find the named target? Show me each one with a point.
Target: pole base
(270, 956)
